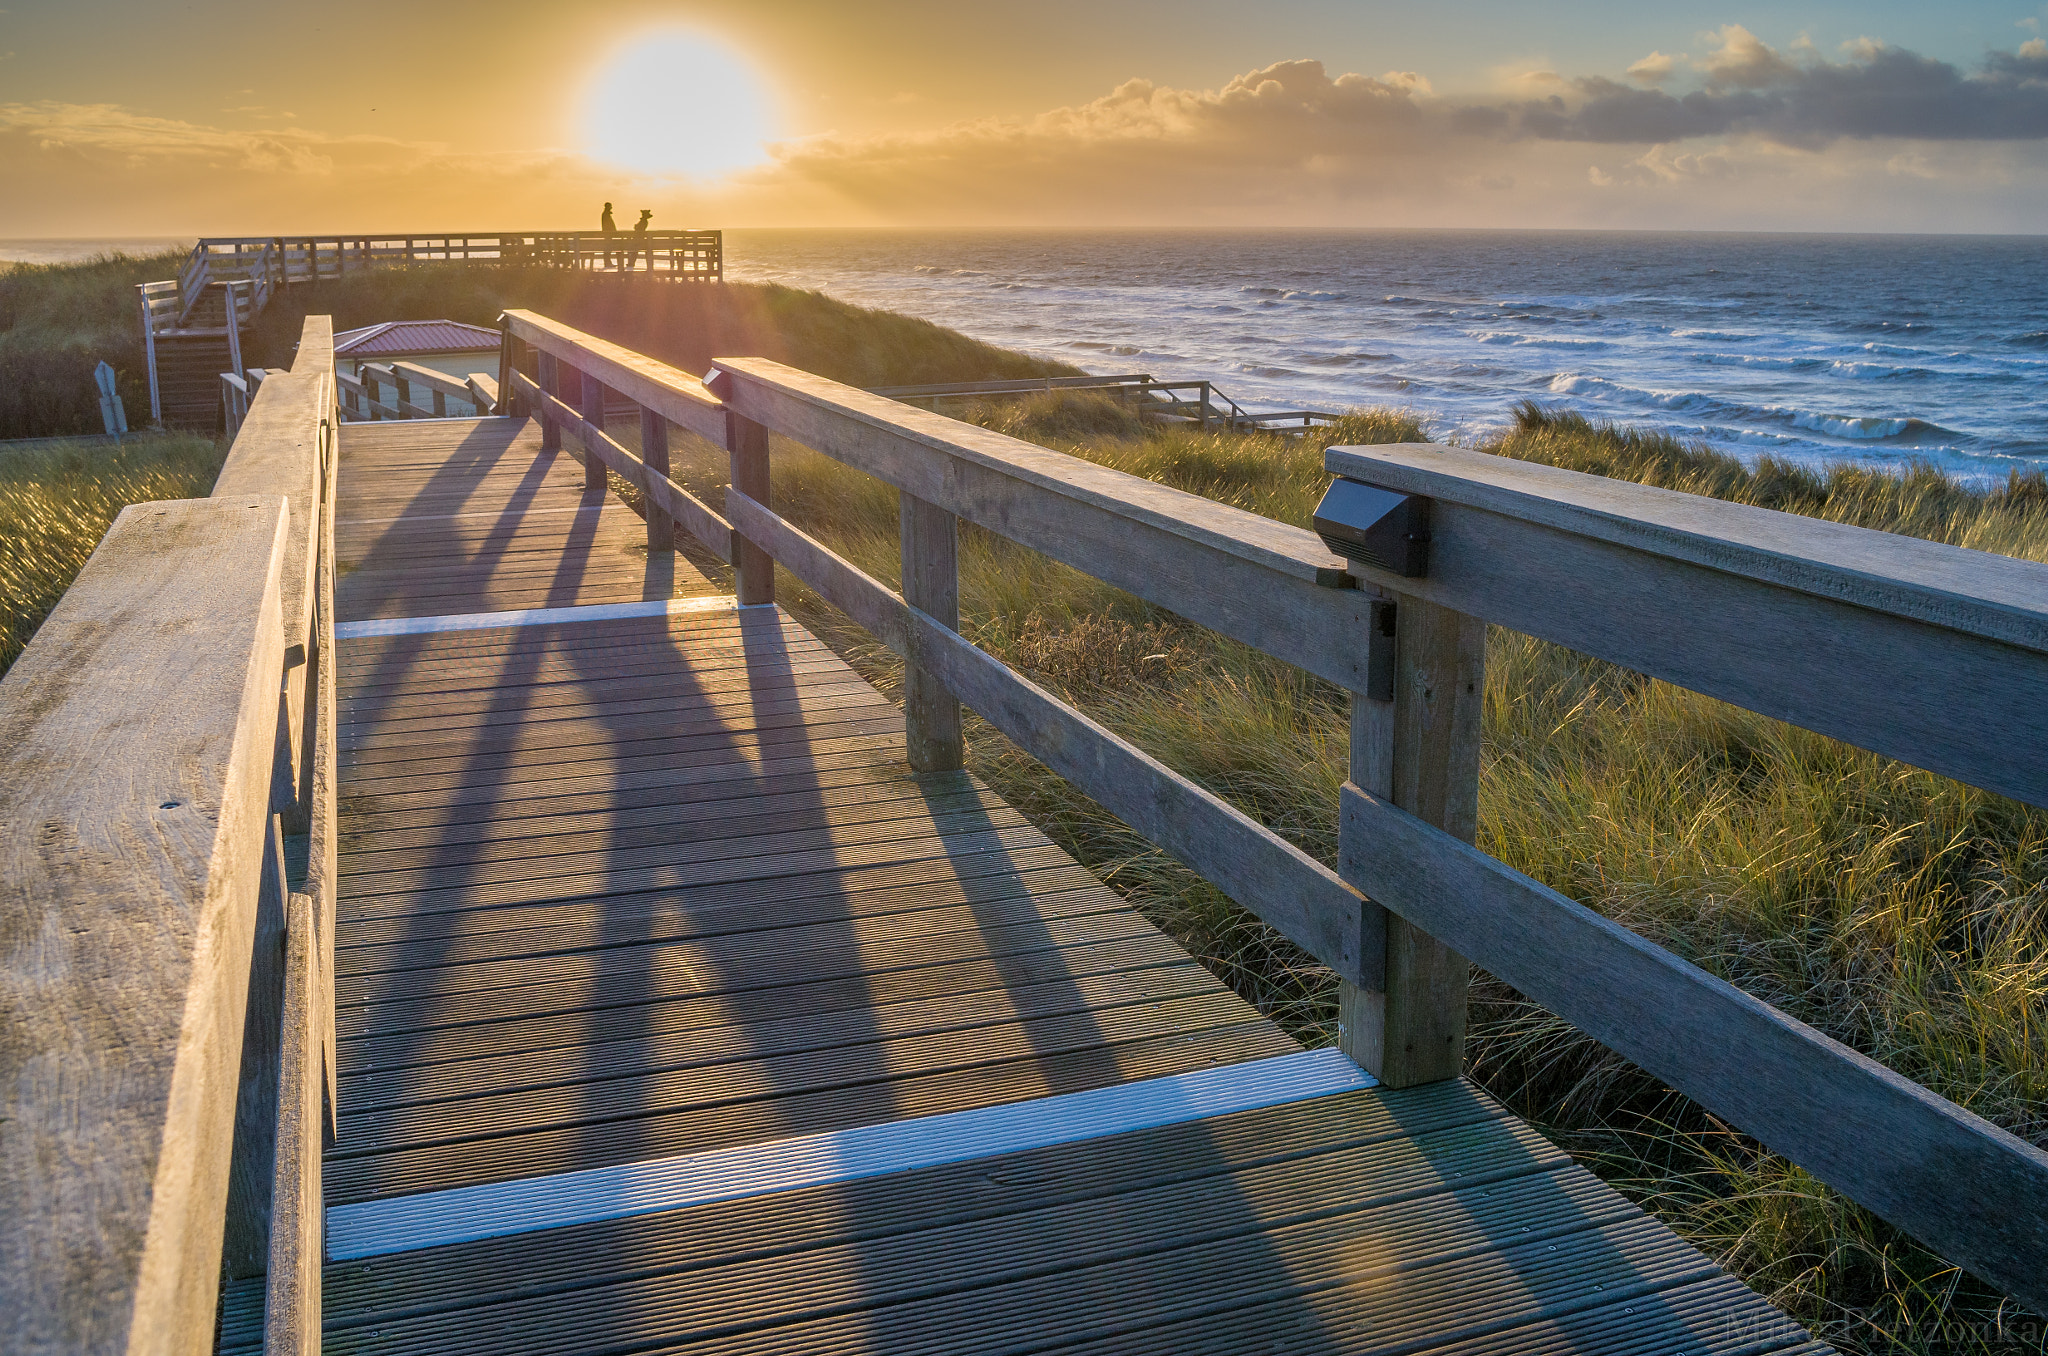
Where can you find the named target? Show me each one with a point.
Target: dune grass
(57, 501)
(1900, 912)
(687, 325)
(57, 322)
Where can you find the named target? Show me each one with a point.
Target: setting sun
(678, 102)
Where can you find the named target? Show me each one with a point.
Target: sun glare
(678, 102)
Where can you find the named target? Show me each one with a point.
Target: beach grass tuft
(58, 499)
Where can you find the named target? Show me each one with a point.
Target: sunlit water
(1881, 349)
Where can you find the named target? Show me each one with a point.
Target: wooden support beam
(137, 733)
(591, 406)
(931, 583)
(550, 384)
(661, 528)
(753, 568)
(1422, 748)
(291, 1317)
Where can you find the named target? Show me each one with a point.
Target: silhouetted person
(610, 229)
(640, 230)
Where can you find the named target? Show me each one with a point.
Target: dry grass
(1899, 912)
(57, 501)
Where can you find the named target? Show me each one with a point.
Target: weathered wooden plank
(483, 393)
(1978, 593)
(1755, 607)
(1259, 581)
(1880, 1139)
(673, 393)
(724, 957)
(136, 741)
(1413, 1031)
(817, 1217)
(841, 1097)
(292, 1308)
(965, 1019)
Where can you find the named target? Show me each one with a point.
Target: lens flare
(678, 102)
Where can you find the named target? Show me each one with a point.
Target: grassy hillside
(57, 501)
(684, 325)
(57, 322)
(1902, 913)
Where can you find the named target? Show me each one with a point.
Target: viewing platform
(610, 967)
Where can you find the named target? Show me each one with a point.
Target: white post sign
(111, 413)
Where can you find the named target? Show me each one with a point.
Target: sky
(154, 117)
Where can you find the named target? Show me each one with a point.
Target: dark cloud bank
(1884, 92)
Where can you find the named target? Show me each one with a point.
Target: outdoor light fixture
(1382, 528)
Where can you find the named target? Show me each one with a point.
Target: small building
(446, 346)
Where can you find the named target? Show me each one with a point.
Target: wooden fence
(1927, 653)
(1195, 402)
(175, 718)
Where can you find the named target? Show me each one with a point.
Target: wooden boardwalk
(647, 895)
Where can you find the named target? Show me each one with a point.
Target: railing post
(931, 583)
(661, 529)
(1421, 750)
(550, 382)
(510, 400)
(404, 388)
(753, 569)
(590, 404)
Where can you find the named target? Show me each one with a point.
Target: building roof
(397, 338)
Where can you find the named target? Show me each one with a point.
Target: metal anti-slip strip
(429, 1219)
(534, 616)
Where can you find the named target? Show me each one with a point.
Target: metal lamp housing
(1381, 528)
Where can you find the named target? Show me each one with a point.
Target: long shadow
(501, 686)
(715, 954)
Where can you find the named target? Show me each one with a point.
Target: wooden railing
(361, 398)
(1197, 402)
(268, 264)
(170, 724)
(1928, 653)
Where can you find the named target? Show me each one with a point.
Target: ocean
(1881, 350)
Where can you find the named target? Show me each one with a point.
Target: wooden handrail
(1928, 653)
(135, 794)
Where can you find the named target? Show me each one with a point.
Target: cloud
(1743, 61)
(1653, 69)
(1750, 88)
